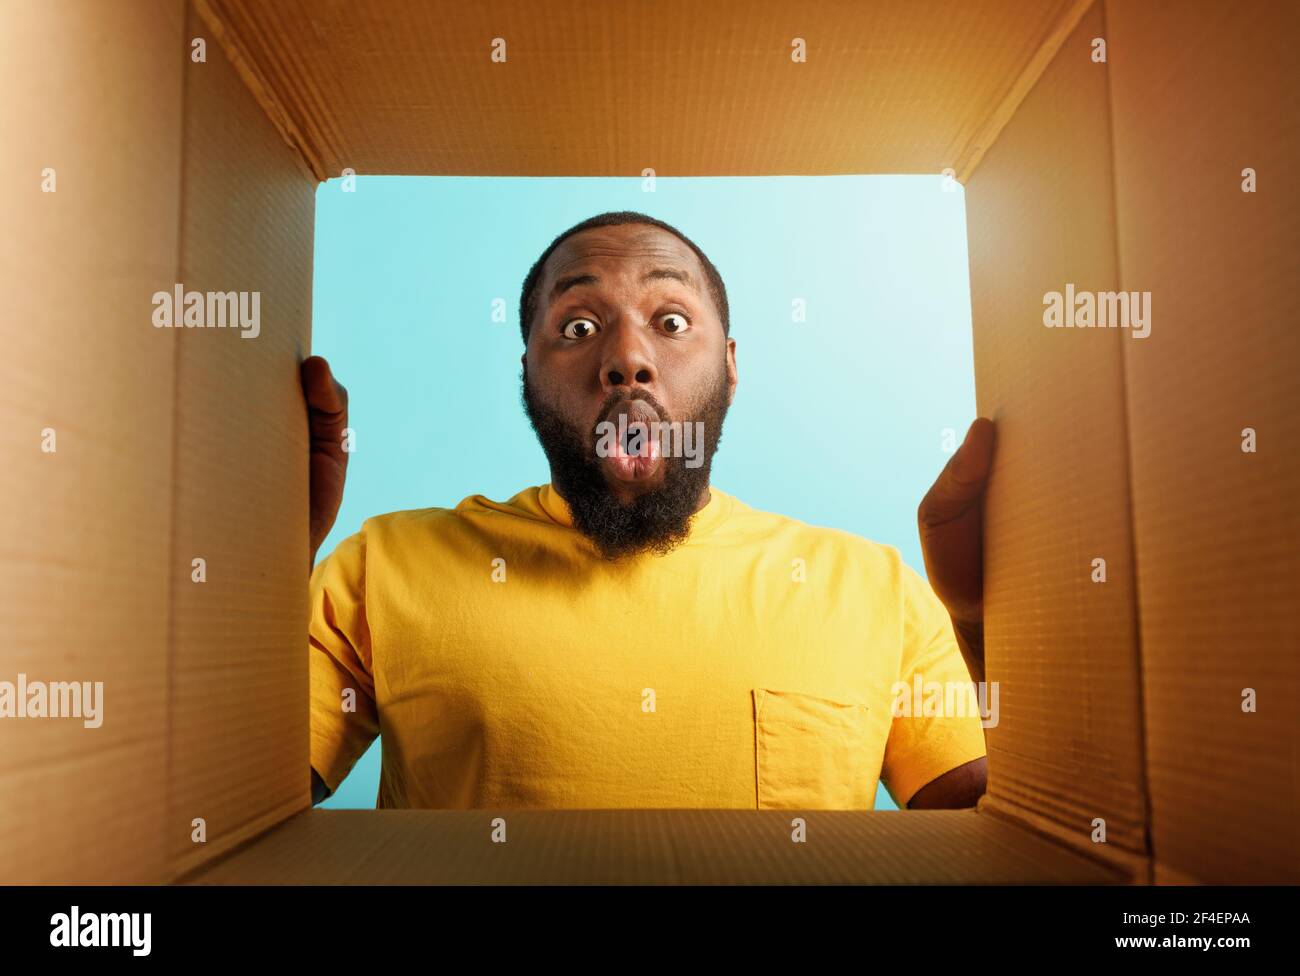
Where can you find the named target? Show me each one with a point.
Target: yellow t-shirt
(507, 665)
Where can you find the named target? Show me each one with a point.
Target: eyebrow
(573, 281)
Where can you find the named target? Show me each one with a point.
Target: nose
(627, 359)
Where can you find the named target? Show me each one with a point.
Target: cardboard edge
(262, 91)
(174, 446)
(1126, 405)
(249, 834)
(239, 866)
(1136, 867)
(987, 134)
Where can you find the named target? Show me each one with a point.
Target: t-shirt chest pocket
(811, 753)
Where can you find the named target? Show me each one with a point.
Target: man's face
(625, 326)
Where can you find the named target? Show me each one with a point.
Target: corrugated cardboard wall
(1040, 213)
(83, 568)
(1203, 90)
(171, 444)
(609, 89)
(238, 752)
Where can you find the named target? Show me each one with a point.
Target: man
(628, 635)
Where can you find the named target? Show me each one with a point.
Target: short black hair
(528, 298)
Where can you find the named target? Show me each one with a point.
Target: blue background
(837, 421)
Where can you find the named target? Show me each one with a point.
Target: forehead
(624, 248)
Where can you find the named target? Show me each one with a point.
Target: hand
(951, 524)
(327, 416)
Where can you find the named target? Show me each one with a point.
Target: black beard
(656, 521)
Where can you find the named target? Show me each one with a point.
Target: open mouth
(636, 450)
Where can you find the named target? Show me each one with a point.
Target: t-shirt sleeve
(941, 728)
(344, 718)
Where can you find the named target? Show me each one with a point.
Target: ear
(732, 376)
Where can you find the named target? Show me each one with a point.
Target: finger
(323, 392)
(971, 463)
(961, 484)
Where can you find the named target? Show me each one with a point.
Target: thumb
(324, 394)
(963, 479)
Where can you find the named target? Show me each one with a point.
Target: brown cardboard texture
(1149, 724)
(651, 847)
(1217, 533)
(1068, 747)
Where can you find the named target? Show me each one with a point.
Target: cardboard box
(1122, 701)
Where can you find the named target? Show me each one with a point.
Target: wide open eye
(675, 323)
(580, 328)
